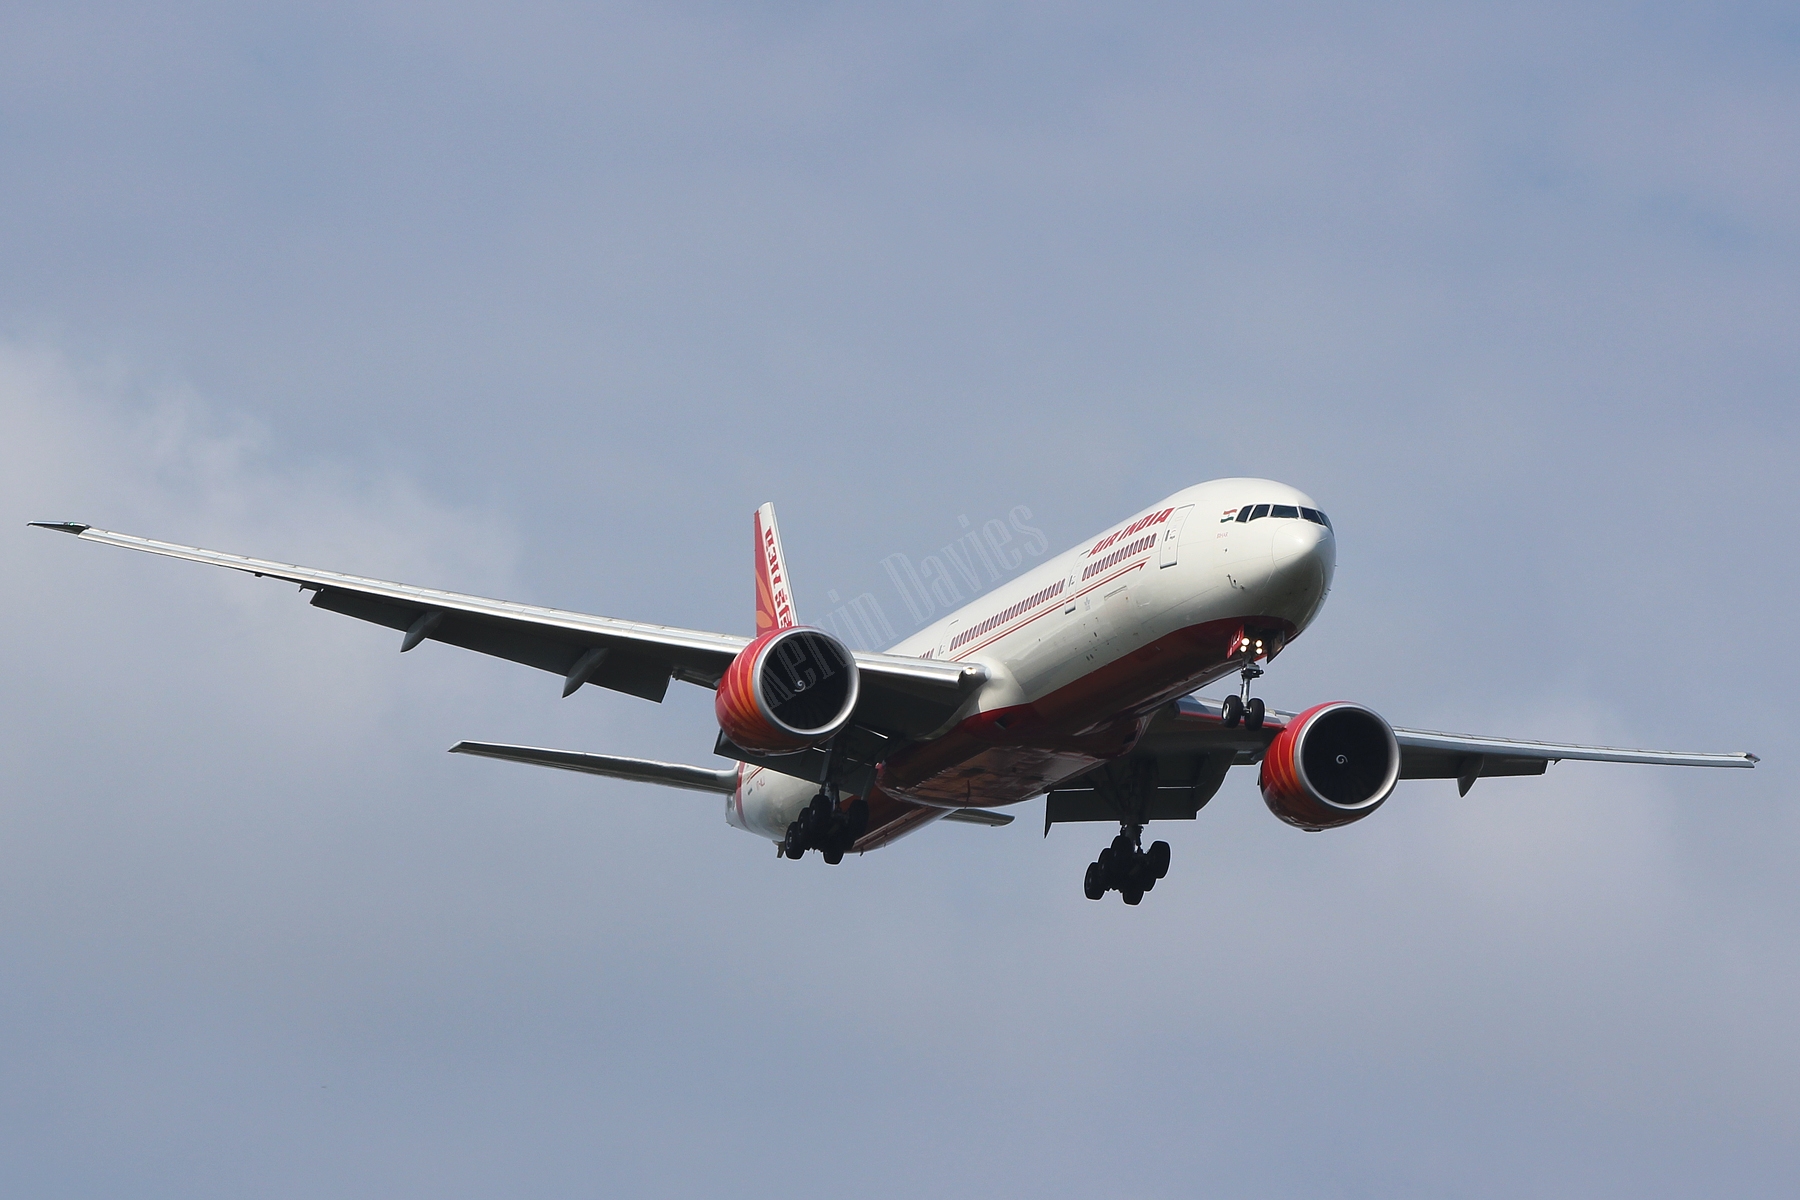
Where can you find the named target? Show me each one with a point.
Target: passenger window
(1285, 510)
(1259, 512)
(1243, 514)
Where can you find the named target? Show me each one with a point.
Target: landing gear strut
(1244, 707)
(826, 826)
(1126, 867)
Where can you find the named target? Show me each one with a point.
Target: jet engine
(1333, 764)
(788, 690)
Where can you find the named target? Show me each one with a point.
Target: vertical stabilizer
(774, 595)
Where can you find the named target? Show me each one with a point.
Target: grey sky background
(541, 301)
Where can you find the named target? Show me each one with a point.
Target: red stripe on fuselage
(1063, 603)
(1006, 755)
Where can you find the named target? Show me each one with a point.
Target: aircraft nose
(1298, 539)
(1305, 556)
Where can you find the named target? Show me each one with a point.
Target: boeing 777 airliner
(1072, 681)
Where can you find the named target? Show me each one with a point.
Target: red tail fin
(774, 596)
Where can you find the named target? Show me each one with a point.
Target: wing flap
(1422, 764)
(979, 816)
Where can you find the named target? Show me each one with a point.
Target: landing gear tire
(1231, 712)
(1253, 713)
(1126, 868)
(825, 827)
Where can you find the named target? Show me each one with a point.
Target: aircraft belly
(1090, 707)
(1005, 755)
(1002, 775)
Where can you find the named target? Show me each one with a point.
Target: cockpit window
(1291, 511)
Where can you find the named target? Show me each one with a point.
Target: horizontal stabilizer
(642, 770)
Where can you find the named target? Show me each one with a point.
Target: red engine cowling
(788, 690)
(1333, 764)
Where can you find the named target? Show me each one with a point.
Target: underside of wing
(1173, 770)
(1186, 749)
(1425, 754)
(1199, 724)
(901, 696)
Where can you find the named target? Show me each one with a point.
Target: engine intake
(1333, 764)
(788, 690)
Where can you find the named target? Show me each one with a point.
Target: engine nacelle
(1333, 764)
(788, 690)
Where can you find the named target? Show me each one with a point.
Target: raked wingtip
(74, 527)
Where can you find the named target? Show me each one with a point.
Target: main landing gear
(1244, 707)
(1126, 867)
(826, 827)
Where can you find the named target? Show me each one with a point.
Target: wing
(1424, 753)
(901, 696)
(1185, 751)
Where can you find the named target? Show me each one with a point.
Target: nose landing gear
(1245, 707)
(827, 827)
(1125, 867)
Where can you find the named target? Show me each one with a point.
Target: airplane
(1073, 681)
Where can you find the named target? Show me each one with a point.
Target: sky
(541, 300)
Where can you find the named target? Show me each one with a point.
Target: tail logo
(774, 599)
